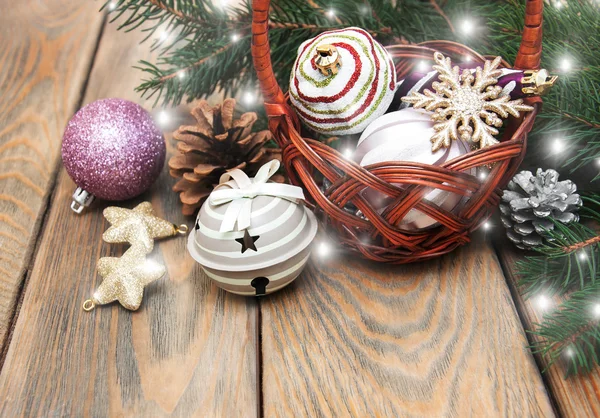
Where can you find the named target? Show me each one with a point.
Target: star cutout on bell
(138, 226)
(125, 278)
(247, 241)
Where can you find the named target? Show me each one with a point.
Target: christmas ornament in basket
(516, 84)
(381, 142)
(252, 236)
(342, 80)
(379, 234)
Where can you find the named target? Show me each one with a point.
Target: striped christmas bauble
(404, 136)
(352, 95)
(277, 249)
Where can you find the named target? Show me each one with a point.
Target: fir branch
(583, 244)
(570, 259)
(572, 109)
(441, 12)
(181, 18)
(200, 23)
(557, 271)
(291, 26)
(165, 78)
(579, 119)
(572, 332)
(185, 17)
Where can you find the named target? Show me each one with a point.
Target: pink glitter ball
(112, 149)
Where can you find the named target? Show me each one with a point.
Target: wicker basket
(376, 235)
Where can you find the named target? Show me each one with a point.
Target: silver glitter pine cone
(531, 201)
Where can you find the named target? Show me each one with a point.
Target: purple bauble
(112, 150)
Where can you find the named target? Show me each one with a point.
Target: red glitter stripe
(367, 102)
(315, 39)
(392, 72)
(347, 87)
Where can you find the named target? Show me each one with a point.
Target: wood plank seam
(576, 396)
(515, 294)
(260, 407)
(41, 222)
(188, 351)
(443, 338)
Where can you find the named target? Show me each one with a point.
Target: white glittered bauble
(405, 136)
(359, 92)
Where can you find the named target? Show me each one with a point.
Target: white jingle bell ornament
(252, 236)
(405, 136)
(342, 80)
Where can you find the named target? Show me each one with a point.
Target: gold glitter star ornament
(467, 106)
(125, 278)
(138, 226)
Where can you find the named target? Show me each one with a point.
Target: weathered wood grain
(189, 351)
(434, 339)
(45, 54)
(577, 396)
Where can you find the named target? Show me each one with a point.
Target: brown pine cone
(216, 143)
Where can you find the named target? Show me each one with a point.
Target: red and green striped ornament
(345, 101)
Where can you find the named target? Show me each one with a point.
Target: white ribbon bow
(236, 187)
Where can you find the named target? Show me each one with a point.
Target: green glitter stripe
(368, 114)
(328, 80)
(359, 96)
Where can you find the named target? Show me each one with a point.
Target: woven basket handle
(528, 57)
(530, 51)
(261, 53)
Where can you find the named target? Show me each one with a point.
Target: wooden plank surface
(441, 338)
(45, 54)
(189, 351)
(577, 396)
(349, 338)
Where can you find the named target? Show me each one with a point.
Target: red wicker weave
(377, 237)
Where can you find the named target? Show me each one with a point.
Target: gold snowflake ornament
(467, 106)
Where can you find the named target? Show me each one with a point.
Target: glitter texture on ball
(355, 88)
(112, 149)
